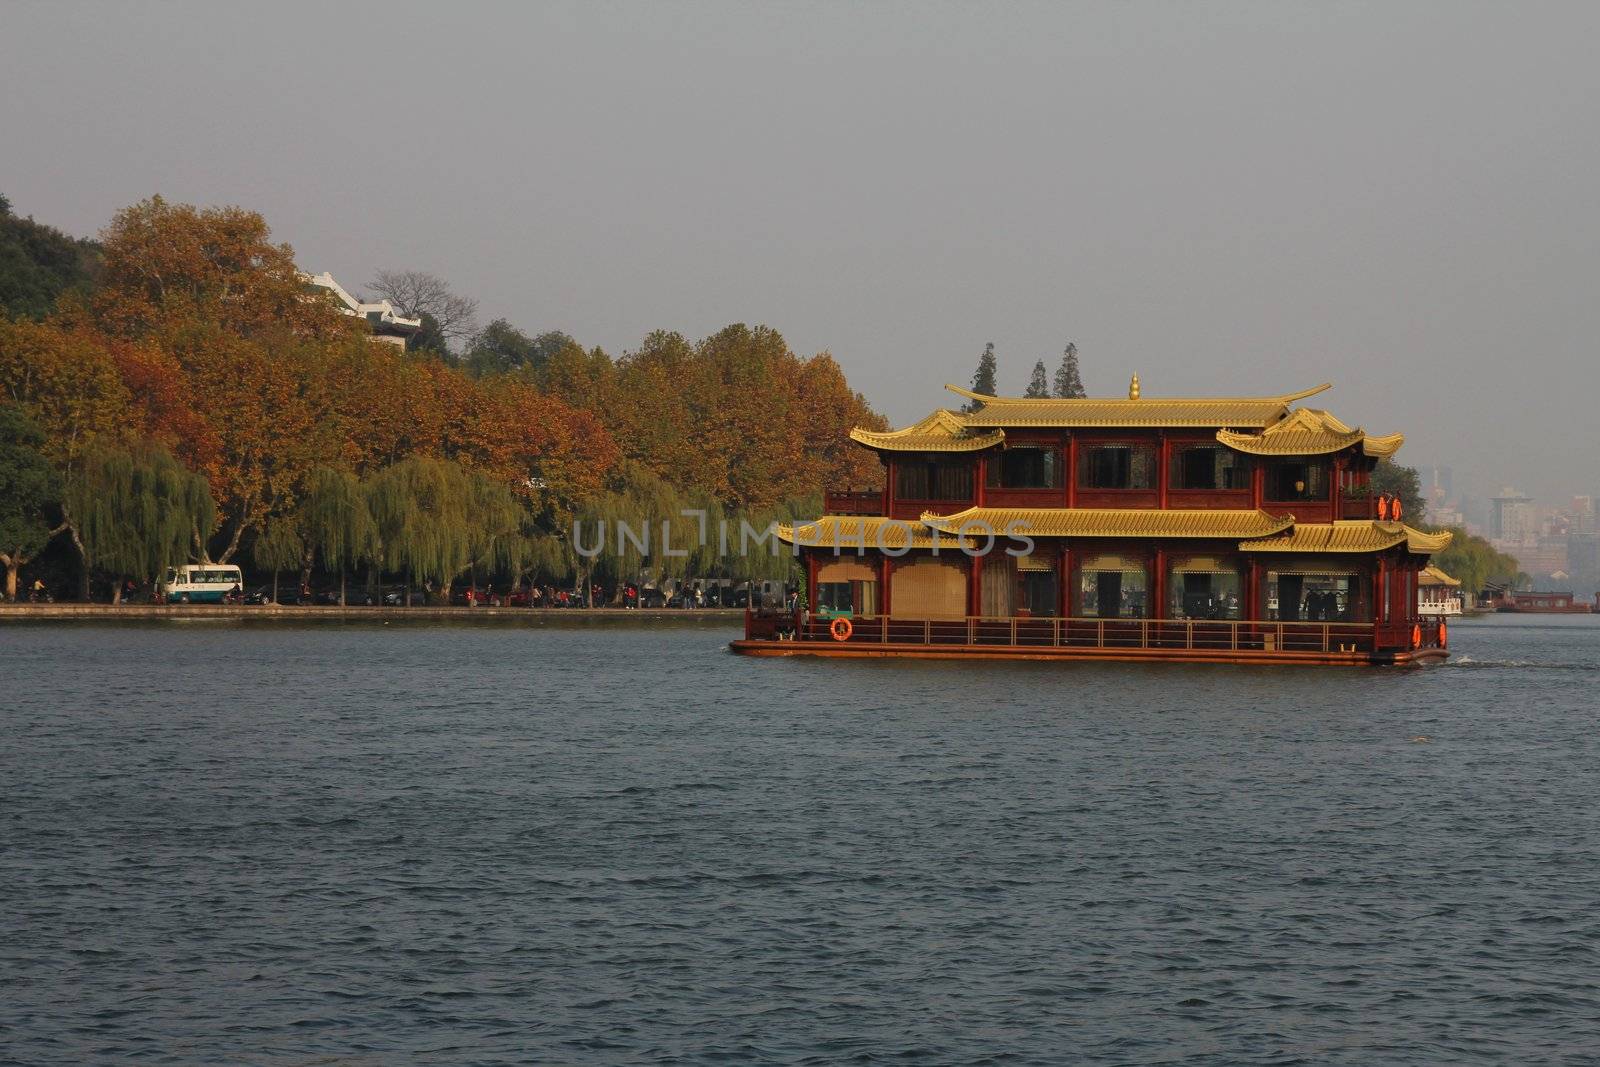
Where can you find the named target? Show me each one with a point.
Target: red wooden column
(885, 572)
(974, 584)
(980, 475)
(811, 582)
(1254, 610)
(1158, 587)
(1063, 582)
(1072, 470)
(888, 486)
(1163, 471)
(1258, 482)
(1380, 606)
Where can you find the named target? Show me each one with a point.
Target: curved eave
(863, 533)
(942, 431)
(1383, 447)
(1432, 575)
(1293, 443)
(1353, 536)
(1110, 523)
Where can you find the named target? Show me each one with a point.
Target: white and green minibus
(201, 583)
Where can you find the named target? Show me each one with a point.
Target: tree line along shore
(176, 391)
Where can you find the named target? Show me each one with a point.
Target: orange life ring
(1444, 633)
(1416, 635)
(841, 629)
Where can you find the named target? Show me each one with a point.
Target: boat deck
(1117, 640)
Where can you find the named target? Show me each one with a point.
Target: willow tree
(278, 547)
(133, 512)
(336, 523)
(435, 519)
(28, 489)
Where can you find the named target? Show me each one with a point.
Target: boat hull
(863, 650)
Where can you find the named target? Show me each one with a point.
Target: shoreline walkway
(275, 612)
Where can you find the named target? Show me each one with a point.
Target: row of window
(1121, 591)
(1108, 467)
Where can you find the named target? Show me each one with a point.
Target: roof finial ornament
(1133, 387)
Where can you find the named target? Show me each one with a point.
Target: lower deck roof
(1251, 530)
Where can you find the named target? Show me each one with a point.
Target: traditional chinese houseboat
(1231, 530)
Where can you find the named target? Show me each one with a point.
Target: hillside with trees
(176, 392)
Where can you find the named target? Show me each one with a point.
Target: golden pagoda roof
(1246, 412)
(1432, 575)
(1110, 522)
(943, 431)
(1355, 535)
(1309, 432)
(855, 532)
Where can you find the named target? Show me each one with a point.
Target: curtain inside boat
(929, 589)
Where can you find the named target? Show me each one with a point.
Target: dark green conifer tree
(983, 379)
(1069, 383)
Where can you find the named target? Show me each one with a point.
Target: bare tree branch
(416, 292)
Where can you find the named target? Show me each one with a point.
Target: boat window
(1304, 596)
(1209, 467)
(1037, 584)
(1205, 588)
(1117, 467)
(1111, 588)
(1025, 467)
(1297, 481)
(925, 479)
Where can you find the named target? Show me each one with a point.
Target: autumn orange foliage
(204, 338)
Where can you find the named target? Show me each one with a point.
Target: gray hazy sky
(1227, 198)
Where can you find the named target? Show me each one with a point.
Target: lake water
(331, 844)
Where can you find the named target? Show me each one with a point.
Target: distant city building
(1540, 559)
(387, 324)
(1583, 556)
(1512, 518)
(1583, 514)
(1437, 482)
(1445, 515)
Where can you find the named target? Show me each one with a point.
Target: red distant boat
(1545, 603)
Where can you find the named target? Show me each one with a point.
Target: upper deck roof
(1251, 413)
(1310, 432)
(943, 431)
(1262, 425)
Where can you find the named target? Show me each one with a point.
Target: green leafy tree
(28, 490)
(134, 511)
(1478, 564)
(435, 519)
(983, 379)
(336, 523)
(38, 263)
(1402, 482)
(431, 340)
(501, 348)
(278, 547)
(1069, 383)
(1039, 383)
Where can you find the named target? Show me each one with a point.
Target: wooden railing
(854, 502)
(1358, 507)
(1153, 634)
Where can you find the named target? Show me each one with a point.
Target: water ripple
(350, 844)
